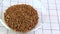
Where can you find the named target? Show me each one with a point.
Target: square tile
(57, 1)
(53, 12)
(59, 18)
(58, 12)
(54, 19)
(55, 32)
(3, 30)
(45, 6)
(58, 15)
(52, 6)
(47, 31)
(45, 12)
(51, 1)
(58, 6)
(45, 18)
(55, 26)
(46, 26)
(39, 31)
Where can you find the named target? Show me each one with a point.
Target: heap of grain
(21, 18)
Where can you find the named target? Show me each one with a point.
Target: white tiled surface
(52, 6)
(52, 12)
(46, 26)
(47, 32)
(50, 19)
(39, 31)
(55, 26)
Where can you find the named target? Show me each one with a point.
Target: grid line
(57, 15)
(49, 15)
(42, 23)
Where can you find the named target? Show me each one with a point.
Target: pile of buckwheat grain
(21, 18)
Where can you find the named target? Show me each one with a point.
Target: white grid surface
(50, 19)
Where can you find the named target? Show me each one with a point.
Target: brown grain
(21, 18)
